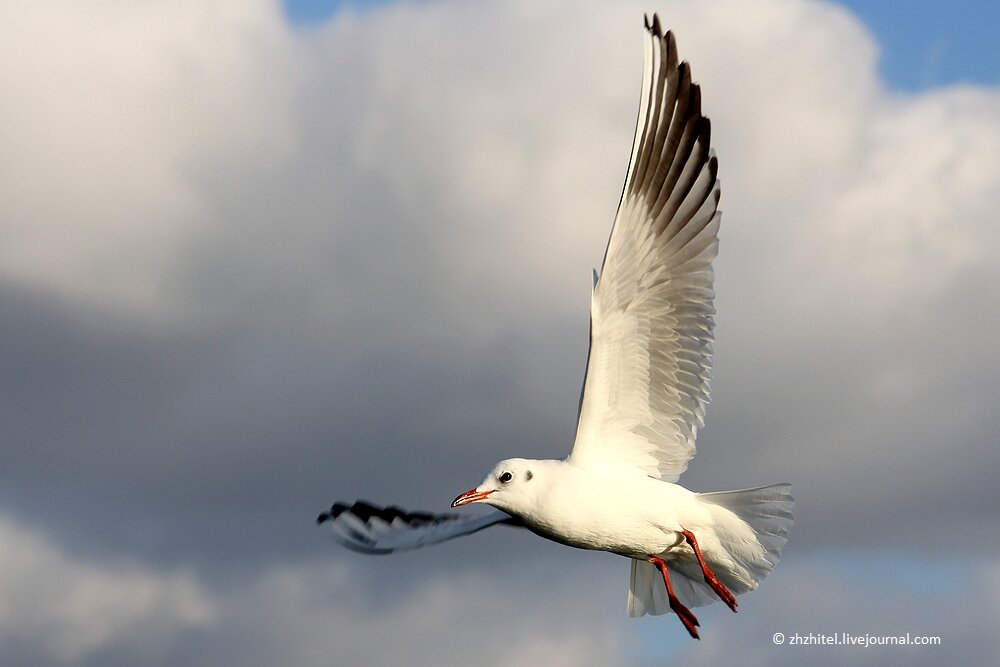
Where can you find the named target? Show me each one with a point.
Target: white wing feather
(646, 386)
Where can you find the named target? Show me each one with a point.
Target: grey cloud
(375, 284)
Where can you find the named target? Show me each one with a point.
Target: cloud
(829, 597)
(116, 109)
(246, 270)
(312, 615)
(60, 609)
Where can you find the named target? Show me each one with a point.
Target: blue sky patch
(924, 43)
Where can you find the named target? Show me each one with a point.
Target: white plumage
(644, 395)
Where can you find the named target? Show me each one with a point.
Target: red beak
(470, 496)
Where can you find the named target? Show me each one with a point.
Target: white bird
(644, 394)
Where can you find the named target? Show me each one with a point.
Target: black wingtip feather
(364, 511)
(335, 510)
(671, 41)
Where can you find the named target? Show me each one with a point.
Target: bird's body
(572, 506)
(644, 396)
(620, 511)
(625, 512)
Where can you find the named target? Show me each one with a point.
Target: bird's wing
(646, 385)
(381, 530)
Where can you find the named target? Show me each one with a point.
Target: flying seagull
(644, 394)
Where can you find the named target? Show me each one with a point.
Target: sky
(256, 257)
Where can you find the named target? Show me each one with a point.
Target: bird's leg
(710, 578)
(683, 613)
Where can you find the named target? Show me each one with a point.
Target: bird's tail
(766, 510)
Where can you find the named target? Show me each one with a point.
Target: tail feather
(767, 512)
(648, 595)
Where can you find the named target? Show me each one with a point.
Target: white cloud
(66, 608)
(112, 110)
(56, 608)
(913, 220)
(318, 614)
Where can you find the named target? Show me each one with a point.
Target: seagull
(644, 395)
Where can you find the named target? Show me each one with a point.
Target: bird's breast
(631, 519)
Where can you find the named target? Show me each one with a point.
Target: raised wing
(646, 386)
(381, 530)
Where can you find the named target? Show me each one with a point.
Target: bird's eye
(505, 477)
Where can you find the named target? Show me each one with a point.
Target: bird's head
(508, 487)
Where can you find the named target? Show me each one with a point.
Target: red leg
(683, 613)
(710, 578)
